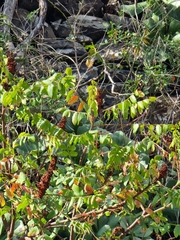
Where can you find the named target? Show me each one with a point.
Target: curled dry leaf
(88, 189)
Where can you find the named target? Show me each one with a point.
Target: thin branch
(12, 224)
(42, 15)
(139, 218)
(116, 207)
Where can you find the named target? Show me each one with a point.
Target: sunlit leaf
(68, 71)
(133, 111)
(21, 178)
(158, 129)
(135, 127)
(2, 200)
(139, 93)
(89, 62)
(9, 193)
(133, 99)
(75, 118)
(14, 187)
(80, 107)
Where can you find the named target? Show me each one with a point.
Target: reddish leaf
(149, 210)
(88, 189)
(14, 187)
(80, 107)
(73, 99)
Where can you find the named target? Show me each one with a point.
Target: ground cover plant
(64, 172)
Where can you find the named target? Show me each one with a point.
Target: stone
(124, 23)
(66, 47)
(89, 26)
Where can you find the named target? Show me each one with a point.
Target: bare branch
(42, 15)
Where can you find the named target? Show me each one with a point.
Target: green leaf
(124, 107)
(19, 228)
(152, 99)
(177, 230)
(140, 106)
(6, 98)
(68, 71)
(139, 94)
(23, 204)
(75, 118)
(132, 9)
(21, 178)
(77, 190)
(50, 90)
(130, 203)
(133, 99)
(34, 231)
(176, 38)
(135, 127)
(133, 111)
(158, 129)
(145, 103)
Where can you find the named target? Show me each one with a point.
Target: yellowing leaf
(146, 40)
(2, 201)
(9, 193)
(80, 107)
(73, 99)
(76, 182)
(89, 62)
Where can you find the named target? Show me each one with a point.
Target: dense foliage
(64, 174)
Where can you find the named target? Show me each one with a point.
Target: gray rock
(90, 26)
(67, 47)
(88, 74)
(124, 22)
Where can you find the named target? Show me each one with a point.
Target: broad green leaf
(152, 99)
(130, 203)
(132, 9)
(176, 38)
(140, 106)
(69, 95)
(133, 111)
(68, 71)
(19, 228)
(77, 190)
(34, 231)
(21, 178)
(23, 204)
(124, 107)
(135, 127)
(158, 129)
(146, 103)
(50, 90)
(75, 118)
(139, 93)
(177, 230)
(6, 98)
(133, 99)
